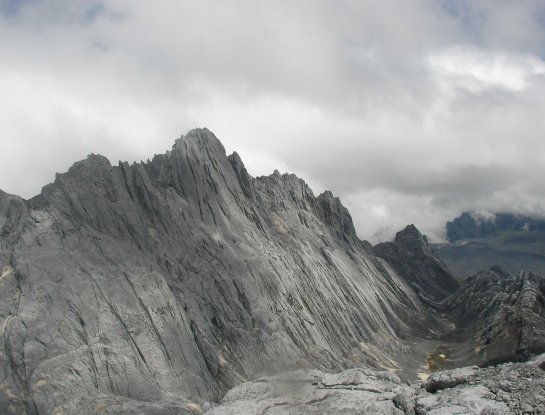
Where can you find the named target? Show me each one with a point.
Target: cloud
(484, 216)
(476, 70)
(410, 111)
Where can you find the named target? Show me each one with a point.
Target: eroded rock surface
(157, 287)
(502, 314)
(179, 278)
(353, 391)
(512, 388)
(412, 257)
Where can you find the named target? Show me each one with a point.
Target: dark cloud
(410, 111)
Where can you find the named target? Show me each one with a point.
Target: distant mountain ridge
(478, 225)
(411, 255)
(481, 240)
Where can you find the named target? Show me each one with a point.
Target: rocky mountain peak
(411, 237)
(413, 258)
(201, 142)
(154, 287)
(244, 178)
(11, 208)
(92, 164)
(335, 215)
(184, 276)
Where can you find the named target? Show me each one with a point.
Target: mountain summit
(157, 287)
(413, 258)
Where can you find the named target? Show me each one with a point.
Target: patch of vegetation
(436, 361)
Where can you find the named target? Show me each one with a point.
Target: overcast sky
(410, 111)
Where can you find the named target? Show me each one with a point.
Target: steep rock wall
(169, 282)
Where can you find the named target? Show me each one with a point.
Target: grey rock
(449, 379)
(158, 287)
(405, 400)
(503, 314)
(119, 405)
(354, 391)
(181, 277)
(412, 258)
(481, 391)
(468, 400)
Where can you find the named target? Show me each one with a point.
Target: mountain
(182, 277)
(157, 287)
(411, 255)
(477, 242)
(473, 225)
(502, 314)
(496, 317)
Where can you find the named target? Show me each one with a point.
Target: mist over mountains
(479, 240)
(367, 237)
(433, 105)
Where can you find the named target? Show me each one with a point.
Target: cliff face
(161, 284)
(412, 257)
(501, 314)
(154, 287)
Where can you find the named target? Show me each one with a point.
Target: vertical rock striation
(501, 314)
(412, 257)
(163, 284)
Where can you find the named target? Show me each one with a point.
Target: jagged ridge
(173, 280)
(502, 314)
(156, 286)
(412, 257)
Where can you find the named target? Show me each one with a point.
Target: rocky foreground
(513, 388)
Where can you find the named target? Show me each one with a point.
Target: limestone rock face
(157, 287)
(502, 313)
(162, 285)
(412, 257)
(511, 388)
(353, 391)
(508, 389)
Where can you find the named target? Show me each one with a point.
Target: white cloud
(410, 111)
(484, 216)
(477, 70)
